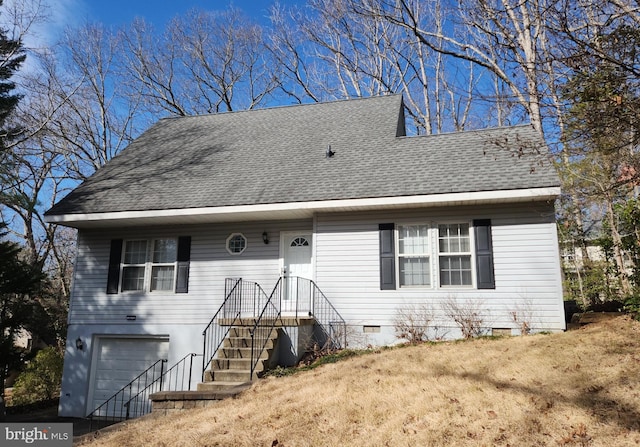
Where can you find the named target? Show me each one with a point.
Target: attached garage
(116, 361)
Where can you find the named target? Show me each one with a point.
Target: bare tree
(597, 54)
(98, 118)
(330, 51)
(77, 119)
(501, 37)
(227, 63)
(152, 69)
(286, 44)
(204, 62)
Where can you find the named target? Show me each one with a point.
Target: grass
(332, 357)
(579, 388)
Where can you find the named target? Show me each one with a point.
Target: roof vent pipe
(329, 153)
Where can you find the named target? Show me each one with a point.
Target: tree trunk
(625, 285)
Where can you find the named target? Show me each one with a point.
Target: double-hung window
(436, 255)
(163, 264)
(454, 255)
(134, 265)
(413, 255)
(149, 265)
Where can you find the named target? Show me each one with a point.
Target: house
(332, 192)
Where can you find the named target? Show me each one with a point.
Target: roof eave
(296, 210)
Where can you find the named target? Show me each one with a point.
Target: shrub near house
(41, 378)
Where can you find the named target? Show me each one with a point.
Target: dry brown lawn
(579, 388)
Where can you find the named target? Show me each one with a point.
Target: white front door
(297, 253)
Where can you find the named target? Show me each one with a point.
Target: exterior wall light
(79, 344)
(265, 237)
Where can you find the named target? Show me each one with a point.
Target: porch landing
(282, 321)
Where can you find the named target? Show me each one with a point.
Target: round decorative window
(300, 242)
(236, 243)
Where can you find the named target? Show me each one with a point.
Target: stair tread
(225, 382)
(236, 353)
(220, 386)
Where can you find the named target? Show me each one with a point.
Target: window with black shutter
(153, 265)
(484, 254)
(451, 242)
(115, 256)
(184, 259)
(387, 257)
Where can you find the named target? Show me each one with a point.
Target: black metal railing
(247, 299)
(176, 378)
(244, 300)
(215, 333)
(264, 326)
(113, 409)
(247, 304)
(128, 404)
(295, 296)
(331, 328)
(298, 297)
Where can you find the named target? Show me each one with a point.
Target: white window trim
(434, 254)
(428, 254)
(231, 236)
(472, 245)
(148, 266)
(123, 266)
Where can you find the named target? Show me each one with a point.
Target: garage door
(117, 361)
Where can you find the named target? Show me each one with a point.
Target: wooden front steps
(232, 365)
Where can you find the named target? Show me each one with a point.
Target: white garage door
(117, 361)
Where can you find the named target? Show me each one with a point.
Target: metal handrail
(328, 319)
(138, 404)
(332, 327)
(173, 378)
(269, 312)
(212, 329)
(238, 293)
(243, 299)
(170, 380)
(109, 412)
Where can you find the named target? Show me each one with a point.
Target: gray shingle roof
(277, 155)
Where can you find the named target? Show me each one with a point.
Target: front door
(297, 270)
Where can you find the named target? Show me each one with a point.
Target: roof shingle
(277, 155)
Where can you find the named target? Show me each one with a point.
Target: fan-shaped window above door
(300, 242)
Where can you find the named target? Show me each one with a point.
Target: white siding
(346, 262)
(210, 265)
(179, 317)
(526, 263)
(346, 268)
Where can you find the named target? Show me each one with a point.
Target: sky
(64, 13)
(158, 12)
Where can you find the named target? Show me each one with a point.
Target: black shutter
(115, 256)
(484, 254)
(387, 257)
(184, 257)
